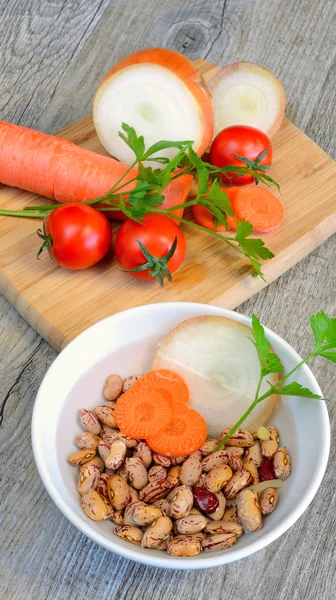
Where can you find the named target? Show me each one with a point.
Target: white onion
(151, 99)
(246, 94)
(220, 365)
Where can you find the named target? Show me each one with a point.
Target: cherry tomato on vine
(76, 235)
(156, 247)
(245, 142)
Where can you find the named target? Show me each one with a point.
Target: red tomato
(157, 233)
(77, 236)
(244, 141)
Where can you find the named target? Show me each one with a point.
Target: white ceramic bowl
(125, 343)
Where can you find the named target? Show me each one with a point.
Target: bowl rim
(212, 560)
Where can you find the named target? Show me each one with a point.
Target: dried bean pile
(181, 505)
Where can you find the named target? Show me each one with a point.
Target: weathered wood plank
(43, 557)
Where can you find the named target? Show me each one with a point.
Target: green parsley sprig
(324, 330)
(147, 194)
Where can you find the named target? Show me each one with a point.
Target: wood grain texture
(43, 557)
(60, 304)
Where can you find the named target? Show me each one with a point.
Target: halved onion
(220, 365)
(246, 94)
(161, 94)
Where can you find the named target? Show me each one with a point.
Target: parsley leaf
(269, 362)
(220, 198)
(295, 389)
(324, 330)
(329, 355)
(134, 142)
(202, 173)
(164, 145)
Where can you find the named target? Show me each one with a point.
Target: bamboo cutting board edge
(59, 336)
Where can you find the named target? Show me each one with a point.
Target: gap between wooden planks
(60, 304)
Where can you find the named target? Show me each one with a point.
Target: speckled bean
(117, 454)
(105, 414)
(230, 513)
(174, 475)
(95, 506)
(241, 438)
(191, 471)
(144, 452)
(268, 500)
(89, 421)
(156, 533)
(270, 446)
(218, 514)
(181, 502)
(217, 527)
(130, 533)
(163, 505)
(145, 514)
(184, 546)
(87, 440)
(250, 466)
(129, 382)
(238, 482)
(108, 434)
(113, 387)
(217, 478)
(129, 441)
(102, 484)
(159, 459)
(209, 446)
(103, 449)
(191, 524)
(219, 542)
(177, 460)
(254, 454)
(248, 510)
(155, 490)
(136, 471)
(282, 463)
(88, 479)
(215, 459)
(157, 473)
(81, 457)
(96, 460)
(118, 492)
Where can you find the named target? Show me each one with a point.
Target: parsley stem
(236, 426)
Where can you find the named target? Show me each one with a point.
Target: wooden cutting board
(60, 304)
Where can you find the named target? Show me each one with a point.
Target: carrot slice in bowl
(166, 381)
(258, 206)
(143, 412)
(184, 435)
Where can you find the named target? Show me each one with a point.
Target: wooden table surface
(53, 54)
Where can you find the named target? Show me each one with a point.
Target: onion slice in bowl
(161, 94)
(219, 363)
(247, 94)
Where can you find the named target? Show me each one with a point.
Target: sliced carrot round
(184, 434)
(165, 380)
(258, 206)
(204, 217)
(143, 412)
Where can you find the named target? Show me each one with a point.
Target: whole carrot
(56, 168)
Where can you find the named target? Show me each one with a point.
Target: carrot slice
(204, 217)
(164, 380)
(258, 206)
(143, 412)
(184, 434)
